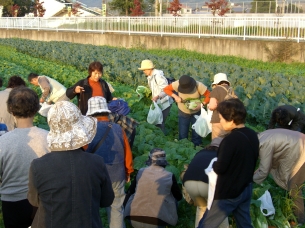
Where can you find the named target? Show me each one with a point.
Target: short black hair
(31, 76)
(233, 109)
(281, 116)
(15, 81)
(23, 102)
(95, 66)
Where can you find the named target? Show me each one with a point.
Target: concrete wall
(249, 49)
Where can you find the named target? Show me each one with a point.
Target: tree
(14, 10)
(174, 7)
(26, 6)
(218, 6)
(137, 9)
(122, 6)
(39, 9)
(75, 10)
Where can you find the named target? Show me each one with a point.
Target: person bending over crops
(288, 117)
(18, 149)
(151, 200)
(196, 182)
(52, 90)
(282, 154)
(6, 117)
(157, 82)
(117, 155)
(189, 104)
(236, 159)
(91, 86)
(220, 88)
(69, 185)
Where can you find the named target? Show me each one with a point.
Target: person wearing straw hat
(18, 149)
(69, 185)
(196, 182)
(117, 155)
(188, 88)
(220, 88)
(151, 200)
(157, 82)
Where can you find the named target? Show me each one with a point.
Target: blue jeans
(220, 209)
(115, 212)
(184, 125)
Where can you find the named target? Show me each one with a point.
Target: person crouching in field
(151, 200)
(52, 90)
(69, 185)
(18, 149)
(111, 143)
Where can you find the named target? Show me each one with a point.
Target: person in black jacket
(196, 182)
(236, 160)
(91, 86)
(288, 117)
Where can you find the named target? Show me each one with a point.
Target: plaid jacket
(127, 123)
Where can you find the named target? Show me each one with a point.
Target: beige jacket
(282, 153)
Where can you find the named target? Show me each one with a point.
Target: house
(185, 9)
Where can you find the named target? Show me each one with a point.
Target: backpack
(230, 93)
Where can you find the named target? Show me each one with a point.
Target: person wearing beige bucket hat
(188, 89)
(220, 87)
(18, 149)
(69, 185)
(157, 82)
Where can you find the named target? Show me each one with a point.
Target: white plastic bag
(267, 207)
(44, 109)
(212, 182)
(155, 115)
(201, 126)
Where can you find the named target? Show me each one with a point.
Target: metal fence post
(244, 30)
(129, 25)
(199, 30)
(161, 21)
(298, 40)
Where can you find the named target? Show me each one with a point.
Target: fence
(232, 27)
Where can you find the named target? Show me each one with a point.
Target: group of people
(61, 177)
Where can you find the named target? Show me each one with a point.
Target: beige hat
(146, 65)
(220, 77)
(69, 129)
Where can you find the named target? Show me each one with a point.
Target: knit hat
(220, 77)
(146, 65)
(69, 129)
(157, 156)
(97, 105)
(187, 84)
(216, 141)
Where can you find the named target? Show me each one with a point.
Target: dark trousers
(19, 214)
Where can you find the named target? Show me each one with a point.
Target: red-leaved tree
(218, 6)
(174, 7)
(14, 10)
(75, 10)
(137, 9)
(39, 9)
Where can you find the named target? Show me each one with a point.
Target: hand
(41, 100)
(177, 99)
(127, 178)
(155, 98)
(79, 89)
(198, 107)
(114, 98)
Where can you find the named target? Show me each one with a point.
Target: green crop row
(261, 91)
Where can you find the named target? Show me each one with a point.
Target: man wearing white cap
(111, 143)
(220, 88)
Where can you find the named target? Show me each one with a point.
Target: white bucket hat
(69, 129)
(220, 77)
(97, 105)
(146, 65)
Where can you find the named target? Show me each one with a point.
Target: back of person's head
(95, 66)
(281, 116)
(233, 109)
(31, 76)
(15, 81)
(23, 102)
(157, 156)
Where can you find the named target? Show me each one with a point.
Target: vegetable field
(261, 86)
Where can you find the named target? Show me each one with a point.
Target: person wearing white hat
(196, 182)
(18, 149)
(157, 82)
(220, 87)
(69, 185)
(117, 155)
